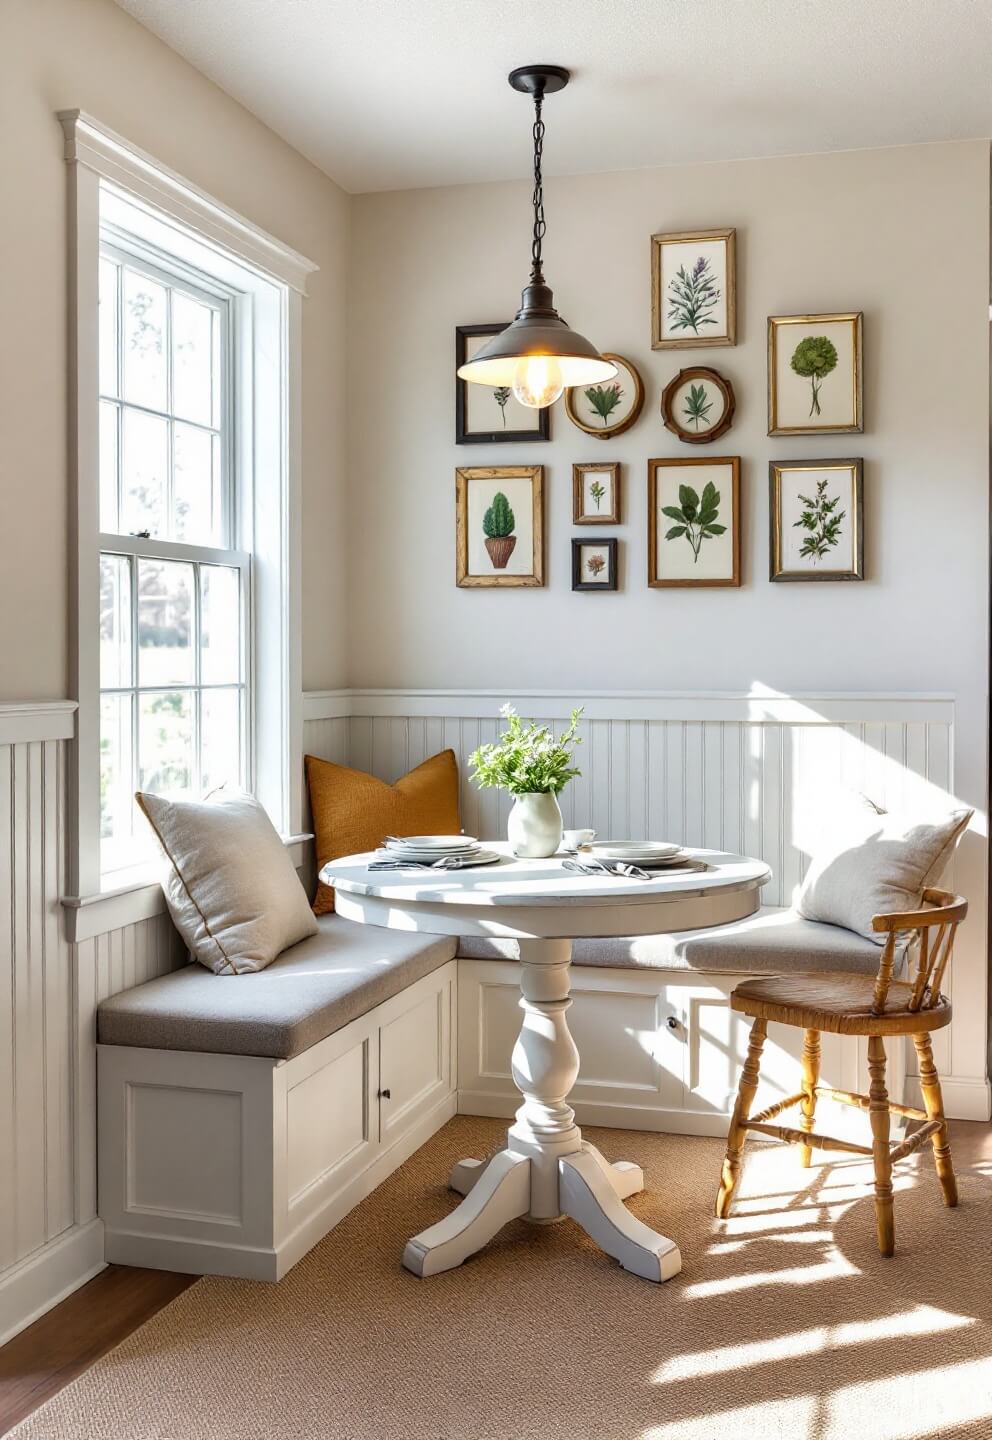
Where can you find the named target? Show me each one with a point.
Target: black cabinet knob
(672, 1023)
(384, 1095)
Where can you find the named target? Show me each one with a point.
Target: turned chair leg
(742, 1109)
(934, 1102)
(811, 1078)
(878, 1113)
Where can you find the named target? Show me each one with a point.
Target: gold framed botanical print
(816, 519)
(693, 289)
(499, 525)
(694, 535)
(596, 493)
(815, 374)
(608, 409)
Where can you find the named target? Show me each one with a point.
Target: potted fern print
(498, 524)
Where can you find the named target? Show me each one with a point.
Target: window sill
(130, 896)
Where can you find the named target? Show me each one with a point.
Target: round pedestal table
(546, 1170)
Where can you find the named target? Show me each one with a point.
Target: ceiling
(395, 94)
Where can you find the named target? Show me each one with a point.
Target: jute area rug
(785, 1322)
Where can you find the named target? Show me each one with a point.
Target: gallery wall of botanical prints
(815, 380)
(878, 376)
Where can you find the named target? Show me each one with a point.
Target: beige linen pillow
(231, 888)
(874, 861)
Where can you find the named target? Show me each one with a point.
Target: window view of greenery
(171, 617)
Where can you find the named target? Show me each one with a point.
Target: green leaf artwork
(597, 490)
(499, 520)
(604, 399)
(697, 406)
(501, 395)
(814, 358)
(821, 522)
(692, 294)
(695, 517)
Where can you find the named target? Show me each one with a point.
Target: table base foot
(590, 1191)
(590, 1195)
(501, 1193)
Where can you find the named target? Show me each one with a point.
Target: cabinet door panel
(415, 1060)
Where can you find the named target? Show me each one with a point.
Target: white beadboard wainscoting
(50, 1239)
(753, 773)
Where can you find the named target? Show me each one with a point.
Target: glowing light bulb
(538, 381)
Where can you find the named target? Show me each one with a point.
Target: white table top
(540, 897)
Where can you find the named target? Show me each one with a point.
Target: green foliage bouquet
(527, 759)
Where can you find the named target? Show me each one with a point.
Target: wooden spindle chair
(856, 1005)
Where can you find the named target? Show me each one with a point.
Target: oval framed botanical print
(609, 409)
(698, 405)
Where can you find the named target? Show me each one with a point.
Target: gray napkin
(607, 867)
(447, 862)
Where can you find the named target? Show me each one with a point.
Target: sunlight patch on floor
(833, 1268)
(921, 1320)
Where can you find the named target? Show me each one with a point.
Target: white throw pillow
(874, 861)
(230, 885)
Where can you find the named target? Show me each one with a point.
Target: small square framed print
(694, 522)
(816, 517)
(596, 494)
(499, 530)
(594, 564)
(815, 384)
(485, 416)
(693, 289)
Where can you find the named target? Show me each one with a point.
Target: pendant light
(538, 355)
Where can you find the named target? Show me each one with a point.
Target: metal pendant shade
(538, 333)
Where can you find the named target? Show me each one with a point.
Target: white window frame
(268, 282)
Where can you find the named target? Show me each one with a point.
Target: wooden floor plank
(39, 1361)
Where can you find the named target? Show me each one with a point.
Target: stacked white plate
(648, 854)
(428, 849)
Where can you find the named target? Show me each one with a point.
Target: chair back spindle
(943, 914)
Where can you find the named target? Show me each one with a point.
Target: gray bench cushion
(313, 989)
(774, 940)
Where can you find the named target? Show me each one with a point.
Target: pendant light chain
(536, 271)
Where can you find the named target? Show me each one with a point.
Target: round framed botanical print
(698, 405)
(608, 409)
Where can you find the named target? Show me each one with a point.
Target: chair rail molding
(25, 720)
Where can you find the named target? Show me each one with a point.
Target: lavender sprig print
(692, 294)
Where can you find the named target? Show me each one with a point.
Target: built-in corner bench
(241, 1117)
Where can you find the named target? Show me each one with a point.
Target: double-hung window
(174, 583)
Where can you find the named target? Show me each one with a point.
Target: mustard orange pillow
(353, 811)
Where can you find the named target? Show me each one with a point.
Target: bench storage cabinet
(216, 1157)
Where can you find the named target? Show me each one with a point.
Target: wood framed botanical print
(693, 289)
(694, 533)
(815, 374)
(611, 408)
(596, 494)
(485, 416)
(698, 405)
(499, 528)
(594, 564)
(816, 516)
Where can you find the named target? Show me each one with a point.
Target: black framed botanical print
(816, 514)
(594, 564)
(485, 415)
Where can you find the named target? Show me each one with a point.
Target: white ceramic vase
(534, 826)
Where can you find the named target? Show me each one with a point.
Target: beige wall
(902, 234)
(64, 54)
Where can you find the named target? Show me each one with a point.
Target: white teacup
(575, 839)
